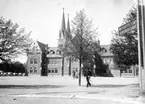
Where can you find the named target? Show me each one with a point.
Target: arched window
(58, 52)
(52, 52)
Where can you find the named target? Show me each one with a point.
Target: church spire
(68, 30)
(68, 25)
(63, 28)
(62, 31)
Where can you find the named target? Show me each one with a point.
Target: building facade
(34, 60)
(57, 64)
(107, 57)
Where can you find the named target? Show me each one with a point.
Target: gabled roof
(42, 45)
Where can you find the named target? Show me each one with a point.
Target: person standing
(88, 75)
(74, 73)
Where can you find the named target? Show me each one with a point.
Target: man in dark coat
(88, 75)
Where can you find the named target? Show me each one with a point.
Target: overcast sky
(44, 17)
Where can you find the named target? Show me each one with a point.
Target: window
(52, 52)
(52, 70)
(130, 71)
(35, 61)
(31, 61)
(58, 52)
(56, 71)
(35, 71)
(49, 71)
(31, 71)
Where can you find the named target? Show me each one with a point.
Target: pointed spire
(68, 25)
(68, 29)
(63, 28)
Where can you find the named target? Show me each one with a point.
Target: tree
(81, 45)
(124, 47)
(13, 42)
(15, 67)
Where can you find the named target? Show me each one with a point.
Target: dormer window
(58, 52)
(52, 52)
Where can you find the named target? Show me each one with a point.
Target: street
(65, 90)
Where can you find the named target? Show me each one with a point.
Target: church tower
(64, 33)
(68, 31)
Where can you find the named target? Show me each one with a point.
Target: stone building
(34, 58)
(55, 64)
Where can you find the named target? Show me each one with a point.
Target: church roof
(105, 53)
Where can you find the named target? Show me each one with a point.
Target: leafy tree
(124, 47)
(13, 41)
(15, 67)
(81, 46)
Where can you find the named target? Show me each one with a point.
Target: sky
(44, 17)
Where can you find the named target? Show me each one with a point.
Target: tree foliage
(15, 67)
(13, 41)
(124, 47)
(84, 35)
(83, 45)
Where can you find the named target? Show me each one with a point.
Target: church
(56, 64)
